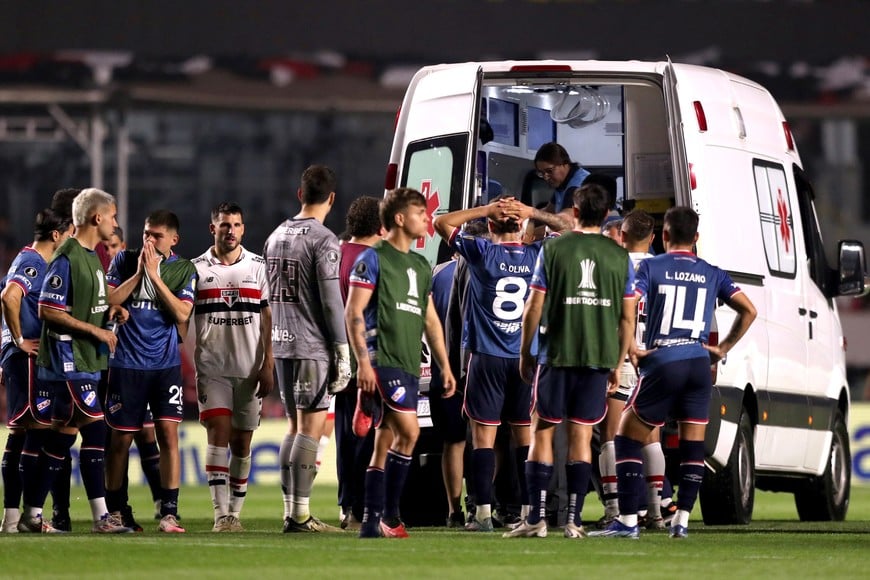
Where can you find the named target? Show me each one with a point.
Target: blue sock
(483, 468)
(520, 456)
(60, 487)
(169, 502)
(9, 469)
(395, 474)
(538, 480)
(91, 458)
(578, 473)
(149, 458)
(691, 473)
(374, 496)
(629, 473)
(55, 449)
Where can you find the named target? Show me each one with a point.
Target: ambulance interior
(619, 130)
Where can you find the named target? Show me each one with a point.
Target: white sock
(483, 511)
(11, 515)
(629, 520)
(217, 473)
(98, 508)
(32, 512)
(681, 518)
(302, 466)
(654, 471)
(607, 467)
(240, 469)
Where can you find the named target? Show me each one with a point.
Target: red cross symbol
(432, 203)
(782, 210)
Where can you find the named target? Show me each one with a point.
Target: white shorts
(229, 396)
(627, 382)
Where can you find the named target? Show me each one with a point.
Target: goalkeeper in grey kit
(309, 340)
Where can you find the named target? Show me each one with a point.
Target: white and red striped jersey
(227, 314)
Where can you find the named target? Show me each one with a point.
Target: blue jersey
(681, 291)
(442, 284)
(56, 293)
(498, 287)
(149, 339)
(28, 272)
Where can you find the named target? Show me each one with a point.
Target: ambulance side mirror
(852, 268)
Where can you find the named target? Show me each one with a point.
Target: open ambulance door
(438, 137)
(682, 182)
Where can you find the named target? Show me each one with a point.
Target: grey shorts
(302, 384)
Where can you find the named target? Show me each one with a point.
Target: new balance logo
(587, 272)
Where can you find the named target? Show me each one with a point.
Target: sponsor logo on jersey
(282, 335)
(507, 327)
(413, 292)
(55, 282)
(30, 272)
(69, 367)
(243, 321)
(99, 308)
(404, 307)
(209, 280)
(230, 296)
(296, 230)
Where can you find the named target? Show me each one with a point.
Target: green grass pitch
(775, 545)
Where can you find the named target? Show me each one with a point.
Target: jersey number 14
(673, 314)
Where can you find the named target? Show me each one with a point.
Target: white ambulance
(674, 134)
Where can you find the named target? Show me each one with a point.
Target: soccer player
(636, 234)
(681, 291)
(309, 339)
(233, 358)
(586, 280)
(387, 311)
(500, 271)
(363, 225)
(28, 409)
(73, 350)
(156, 287)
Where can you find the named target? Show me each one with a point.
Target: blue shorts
(66, 396)
(447, 417)
(398, 391)
(27, 397)
(678, 390)
(132, 392)
(578, 393)
(495, 391)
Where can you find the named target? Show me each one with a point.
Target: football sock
(521, 454)
(9, 468)
(629, 473)
(303, 458)
(149, 458)
(538, 480)
(60, 488)
(374, 496)
(91, 459)
(681, 518)
(691, 473)
(217, 473)
(654, 471)
(28, 465)
(395, 474)
(607, 467)
(169, 502)
(36, 482)
(578, 473)
(240, 469)
(483, 468)
(286, 478)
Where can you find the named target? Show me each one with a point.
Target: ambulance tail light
(541, 68)
(693, 182)
(713, 341)
(789, 138)
(392, 176)
(701, 116)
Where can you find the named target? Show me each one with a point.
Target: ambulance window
(777, 222)
(435, 167)
(818, 265)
